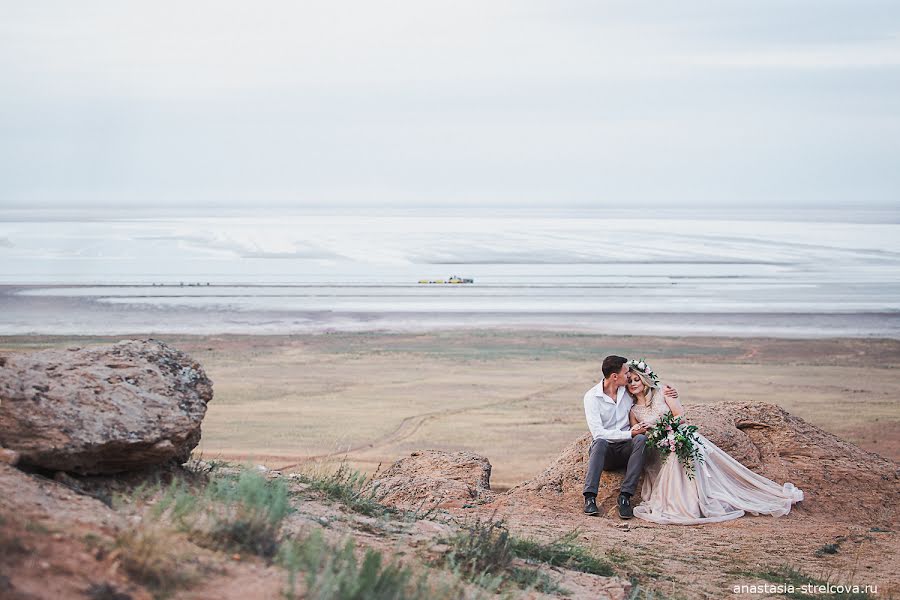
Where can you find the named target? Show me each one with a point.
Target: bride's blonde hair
(651, 388)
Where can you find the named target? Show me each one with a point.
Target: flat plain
(512, 396)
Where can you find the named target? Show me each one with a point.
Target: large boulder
(839, 480)
(102, 409)
(433, 478)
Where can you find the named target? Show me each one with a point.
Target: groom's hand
(670, 392)
(638, 429)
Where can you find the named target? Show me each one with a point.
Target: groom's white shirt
(607, 418)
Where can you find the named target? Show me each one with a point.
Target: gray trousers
(613, 455)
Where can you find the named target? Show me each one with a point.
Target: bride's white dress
(722, 488)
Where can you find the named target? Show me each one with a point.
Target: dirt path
(410, 425)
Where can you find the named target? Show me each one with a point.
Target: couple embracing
(622, 411)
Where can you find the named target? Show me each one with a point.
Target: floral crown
(643, 367)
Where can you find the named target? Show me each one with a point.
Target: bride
(722, 488)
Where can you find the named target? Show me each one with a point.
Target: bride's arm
(631, 418)
(674, 405)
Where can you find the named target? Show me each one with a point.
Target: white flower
(642, 365)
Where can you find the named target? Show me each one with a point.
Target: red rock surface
(433, 478)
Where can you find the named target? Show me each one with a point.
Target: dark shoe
(590, 505)
(625, 511)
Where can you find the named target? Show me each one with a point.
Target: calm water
(831, 274)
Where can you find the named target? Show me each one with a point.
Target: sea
(629, 271)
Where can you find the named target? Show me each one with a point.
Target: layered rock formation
(102, 409)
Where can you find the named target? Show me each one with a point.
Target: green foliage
(179, 501)
(242, 513)
(335, 573)
(349, 488)
(562, 552)
(533, 579)
(483, 552)
(243, 510)
(357, 492)
(481, 547)
(683, 441)
(255, 508)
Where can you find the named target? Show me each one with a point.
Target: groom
(615, 443)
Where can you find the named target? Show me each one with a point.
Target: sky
(709, 103)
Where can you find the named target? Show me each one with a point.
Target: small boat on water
(452, 279)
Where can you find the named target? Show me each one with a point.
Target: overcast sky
(519, 103)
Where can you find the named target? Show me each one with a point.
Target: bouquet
(669, 435)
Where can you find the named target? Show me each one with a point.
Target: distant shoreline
(714, 348)
(72, 315)
(427, 323)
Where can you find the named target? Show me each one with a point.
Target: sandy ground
(516, 397)
(513, 396)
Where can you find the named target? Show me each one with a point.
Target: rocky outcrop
(102, 409)
(46, 501)
(433, 478)
(840, 480)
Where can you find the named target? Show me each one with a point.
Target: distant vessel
(452, 279)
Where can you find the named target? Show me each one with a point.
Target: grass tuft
(348, 487)
(481, 548)
(641, 593)
(562, 552)
(178, 502)
(243, 512)
(536, 580)
(255, 508)
(483, 552)
(828, 549)
(147, 557)
(335, 573)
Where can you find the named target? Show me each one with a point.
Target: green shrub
(335, 573)
(533, 579)
(349, 488)
(562, 552)
(254, 509)
(242, 512)
(179, 501)
(481, 548)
